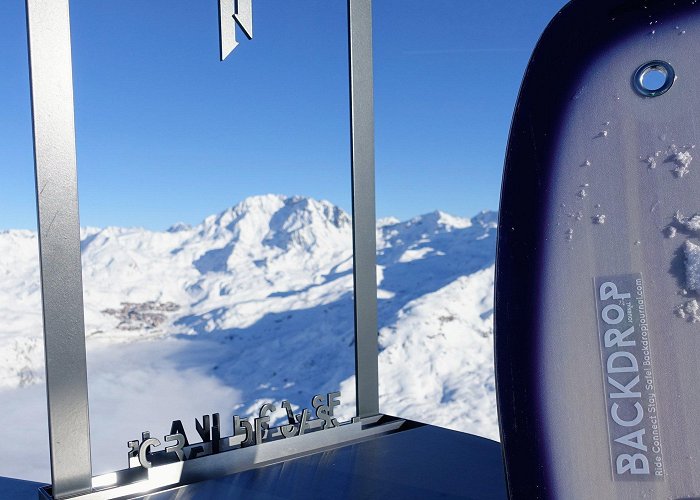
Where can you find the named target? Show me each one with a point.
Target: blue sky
(167, 133)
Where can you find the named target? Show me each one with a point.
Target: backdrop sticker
(628, 379)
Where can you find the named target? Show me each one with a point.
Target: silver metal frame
(48, 23)
(364, 223)
(48, 26)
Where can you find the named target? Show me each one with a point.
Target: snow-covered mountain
(254, 305)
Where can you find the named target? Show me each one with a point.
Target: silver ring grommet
(654, 78)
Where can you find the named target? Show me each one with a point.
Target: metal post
(363, 206)
(48, 24)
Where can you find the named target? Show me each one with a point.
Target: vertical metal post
(48, 25)
(363, 206)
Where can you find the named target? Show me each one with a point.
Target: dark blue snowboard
(598, 267)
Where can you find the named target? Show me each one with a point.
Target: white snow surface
(253, 305)
(691, 224)
(692, 265)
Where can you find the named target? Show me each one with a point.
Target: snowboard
(597, 301)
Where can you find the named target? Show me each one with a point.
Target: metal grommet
(654, 78)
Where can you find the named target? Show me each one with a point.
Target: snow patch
(692, 265)
(691, 224)
(682, 160)
(415, 254)
(387, 221)
(689, 311)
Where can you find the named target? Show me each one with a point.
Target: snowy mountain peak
(387, 221)
(277, 221)
(249, 212)
(179, 226)
(445, 221)
(430, 223)
(486, 219)
(306, 223)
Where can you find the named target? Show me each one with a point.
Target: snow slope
(253, 305)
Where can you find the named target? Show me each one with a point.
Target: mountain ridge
(258, 300)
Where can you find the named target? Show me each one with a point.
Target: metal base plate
(417, 462)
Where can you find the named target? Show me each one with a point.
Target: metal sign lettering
(232, 12)
(245, 433)
(630, 389)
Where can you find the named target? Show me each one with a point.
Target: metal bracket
(232, 12)
(134, 482)
(48, 24)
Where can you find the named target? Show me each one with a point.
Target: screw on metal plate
(654, 78)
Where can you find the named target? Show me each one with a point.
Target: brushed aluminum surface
(48, 24)
(417, 462)
(131, 483)
(363, 207)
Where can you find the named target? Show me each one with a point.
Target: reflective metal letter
(204, 429)
(178, 428)
(143, 451)
(232, 12)
(176, 448)
(262, 423)
(243, 427)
